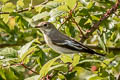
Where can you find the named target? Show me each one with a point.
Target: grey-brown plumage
(60, 42)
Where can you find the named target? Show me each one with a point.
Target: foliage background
(25, 56)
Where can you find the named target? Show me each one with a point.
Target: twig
(96, 25)
(26, 9)
(18, 44)
(21, 64)
(70, 15)
(10, 45)
(15, 64)
(48, 76)
(73, 20)
(29, 69)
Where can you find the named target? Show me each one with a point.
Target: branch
(9, 45)
(70, 15)
(73, 20)
(29, 69)
(21, 64)
(26, 9)
(19, 43)
(96, 25)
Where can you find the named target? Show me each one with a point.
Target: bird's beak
(37, 26)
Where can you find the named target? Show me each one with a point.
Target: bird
(60, 42)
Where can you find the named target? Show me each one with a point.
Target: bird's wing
(74, 45)
(69, 44)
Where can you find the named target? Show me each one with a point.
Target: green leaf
(2, 74)
(52, 4)
(8, 7)
(55, 13)
(70, 3)
(76, 59)
(95, 78)
(3, 1)
(21, 22)
(42, 57)
(83, 12)
(63, 8)
(25, 49)
(40, 16)
(60, 67)
(5, 17)
(4, 26)
(39, 8)
(88, 21)
(70, 30)
(56, 66)
(107, 62)
(90, 5)
(25, 56)
(20, 3)
(59, 0)
(94, 17)
(36, 77)
(118, 28)
(66, 58)
(8, 52)
(44, 70)
(90, 60)
(102, 44)
(67, 31)
(116, 18)
(10, 75)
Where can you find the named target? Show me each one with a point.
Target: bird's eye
(45, 24)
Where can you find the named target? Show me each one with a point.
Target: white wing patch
(72, 43)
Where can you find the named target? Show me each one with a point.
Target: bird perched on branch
(60, 42)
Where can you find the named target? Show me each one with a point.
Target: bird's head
(45, 27)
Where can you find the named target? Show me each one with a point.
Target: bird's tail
(93, 52)
(98, 53)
